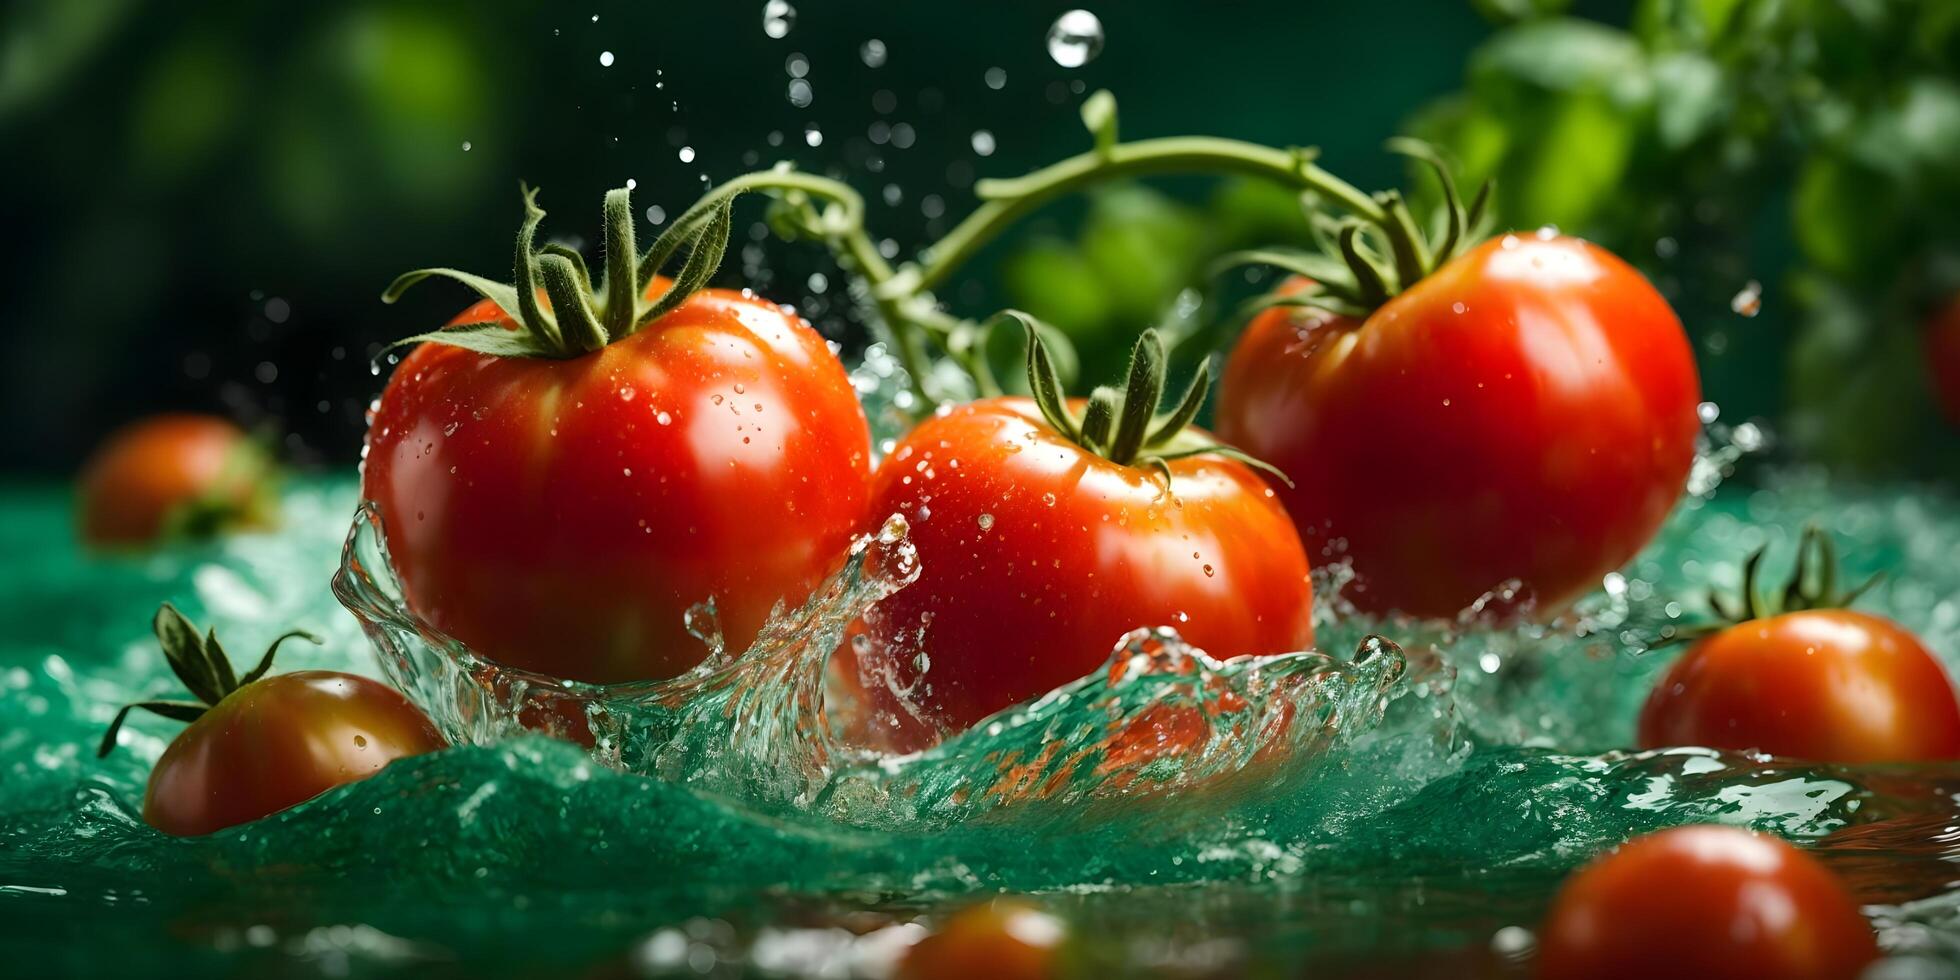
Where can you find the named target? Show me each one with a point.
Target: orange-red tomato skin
(1830, 685)
(1702, 903)
(1000, 940)
(278, 742)
(1037, 556)
(1527, 412)
(148, 469)
(563, 515)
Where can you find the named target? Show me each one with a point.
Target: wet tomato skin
(1704, 902)
(563, 515)
(1527, 411)
(1037, 556)
(278, 742)
(145, 474)
(1829, 685)
(1001, 940)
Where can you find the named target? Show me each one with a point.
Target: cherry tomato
(1821, 684)
(173, 474)
(261, 744)
(1942, 341)
(1526, 412)
(562, 515)
(1037, 555)
(1001, 940)
(1704, 902)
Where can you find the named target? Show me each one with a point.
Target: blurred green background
(204, 201)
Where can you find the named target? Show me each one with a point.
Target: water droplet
(466, 146)
(1048, 498)
(1749, 301)
(664, 419)
(1209, 572)
(1075, 39)
(605, 59)
(1708, 412)
(800, 94)
(873, 52)
(996, 78)
(983, 142)
(986, 522)
(656, 214)
(686, 154)
(812, 135)
(777, 18)
(360, 741)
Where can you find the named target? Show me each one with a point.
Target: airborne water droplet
(873, 53)
(777, 18)
(1075, 39)
(1749, 301)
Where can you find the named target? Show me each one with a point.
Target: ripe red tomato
(562, 515)
(1828, 685)
(1704, 902)
(259, 744)
(1001, 940)
(1527, 411)
(1942, 341)
(1037, 555)
(173, 474)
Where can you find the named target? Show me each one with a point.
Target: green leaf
(187, 654)
(703, 259)
(265, 662)
(1691, 98)
(502, 294)
(494, 337)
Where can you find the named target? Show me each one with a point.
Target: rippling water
(1404, 797)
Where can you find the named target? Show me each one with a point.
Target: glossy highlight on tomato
(1704, 902)
(563, 515)
(1037, 556)
(1828, 685)
(1526, 412)
(173, 474)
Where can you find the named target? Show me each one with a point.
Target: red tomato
(563, 515)
(1704, 902)
(257, 744)
(1001, 940)
(173, 474)
(1828, 685)
(1942, 339)
(279, 742)
(1037, 555)
(1527, 411)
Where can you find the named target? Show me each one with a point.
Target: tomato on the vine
(1005, 939)
(561, 482)
(1044, 537)
(1704, 901)
(259, 744)
(171, 475)
(1526, 412)
(1797, 675)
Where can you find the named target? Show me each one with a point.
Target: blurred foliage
(1811, 145)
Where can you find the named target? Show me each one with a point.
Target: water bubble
(1749, 301)
(996, 78)
(656, 214)
(800, 94)
(983, 142)
(605, 59)
(873, 53)
(1075, 39)
(777, 18)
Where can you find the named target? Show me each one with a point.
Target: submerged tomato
(1704, 902)
(1821, 684)
(562, 515)
(1527, 412)
(1001, 940)
(1037, 555)
(257, 745)
(173, 474)
(1942, 342)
